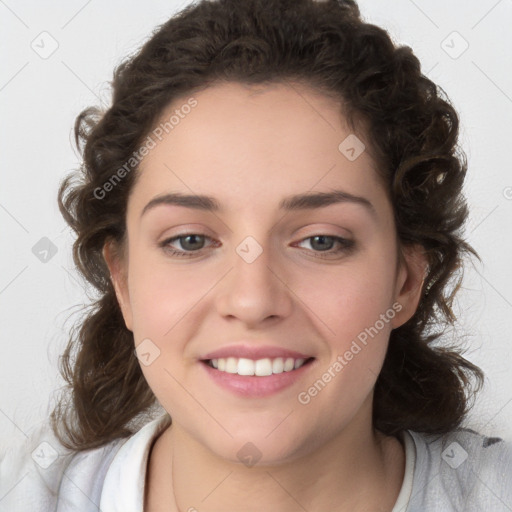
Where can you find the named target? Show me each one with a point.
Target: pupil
(192, 237)
(322, 239)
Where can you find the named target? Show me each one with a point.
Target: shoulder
(38, 473)
(462, 471)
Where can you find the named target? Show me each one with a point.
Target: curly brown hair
(413, 130)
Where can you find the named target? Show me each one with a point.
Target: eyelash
(345, 246)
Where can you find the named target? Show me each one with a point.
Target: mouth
(251, 370)
(256, 378)
(264, 367)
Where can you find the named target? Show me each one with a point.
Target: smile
(256, 378)
(260, 367)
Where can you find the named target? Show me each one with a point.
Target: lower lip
(253, 386)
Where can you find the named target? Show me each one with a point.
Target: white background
(40, 99)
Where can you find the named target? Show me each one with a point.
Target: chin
(258, 447)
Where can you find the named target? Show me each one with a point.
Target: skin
(250, 147)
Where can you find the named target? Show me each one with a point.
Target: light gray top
(462, 471)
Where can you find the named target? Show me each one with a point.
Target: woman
(292, 360)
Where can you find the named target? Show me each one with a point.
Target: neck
(359, 469)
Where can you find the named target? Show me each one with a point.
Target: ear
(118, 274)
(411, 274)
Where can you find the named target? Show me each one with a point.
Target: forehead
(251, 145)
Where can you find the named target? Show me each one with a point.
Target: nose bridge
(254, 290)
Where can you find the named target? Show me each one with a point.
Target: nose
(254, 291)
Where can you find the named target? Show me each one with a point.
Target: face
(262, 279)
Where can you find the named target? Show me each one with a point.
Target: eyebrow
(307, 201)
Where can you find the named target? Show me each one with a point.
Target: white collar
(404, 495)
(123, 488)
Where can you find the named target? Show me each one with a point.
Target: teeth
(298, 363)
(263, 367)
(288, 365)
(260, 367)
(278, 365)
(244, 366)
(231, 365)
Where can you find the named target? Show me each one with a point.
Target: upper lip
(254, 352)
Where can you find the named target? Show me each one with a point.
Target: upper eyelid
(199, 233)
(326, 231)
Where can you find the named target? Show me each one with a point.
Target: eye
(190, 242)
(324, 244)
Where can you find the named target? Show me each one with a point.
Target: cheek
(356, 314)
(350, 298)
(160, 294)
